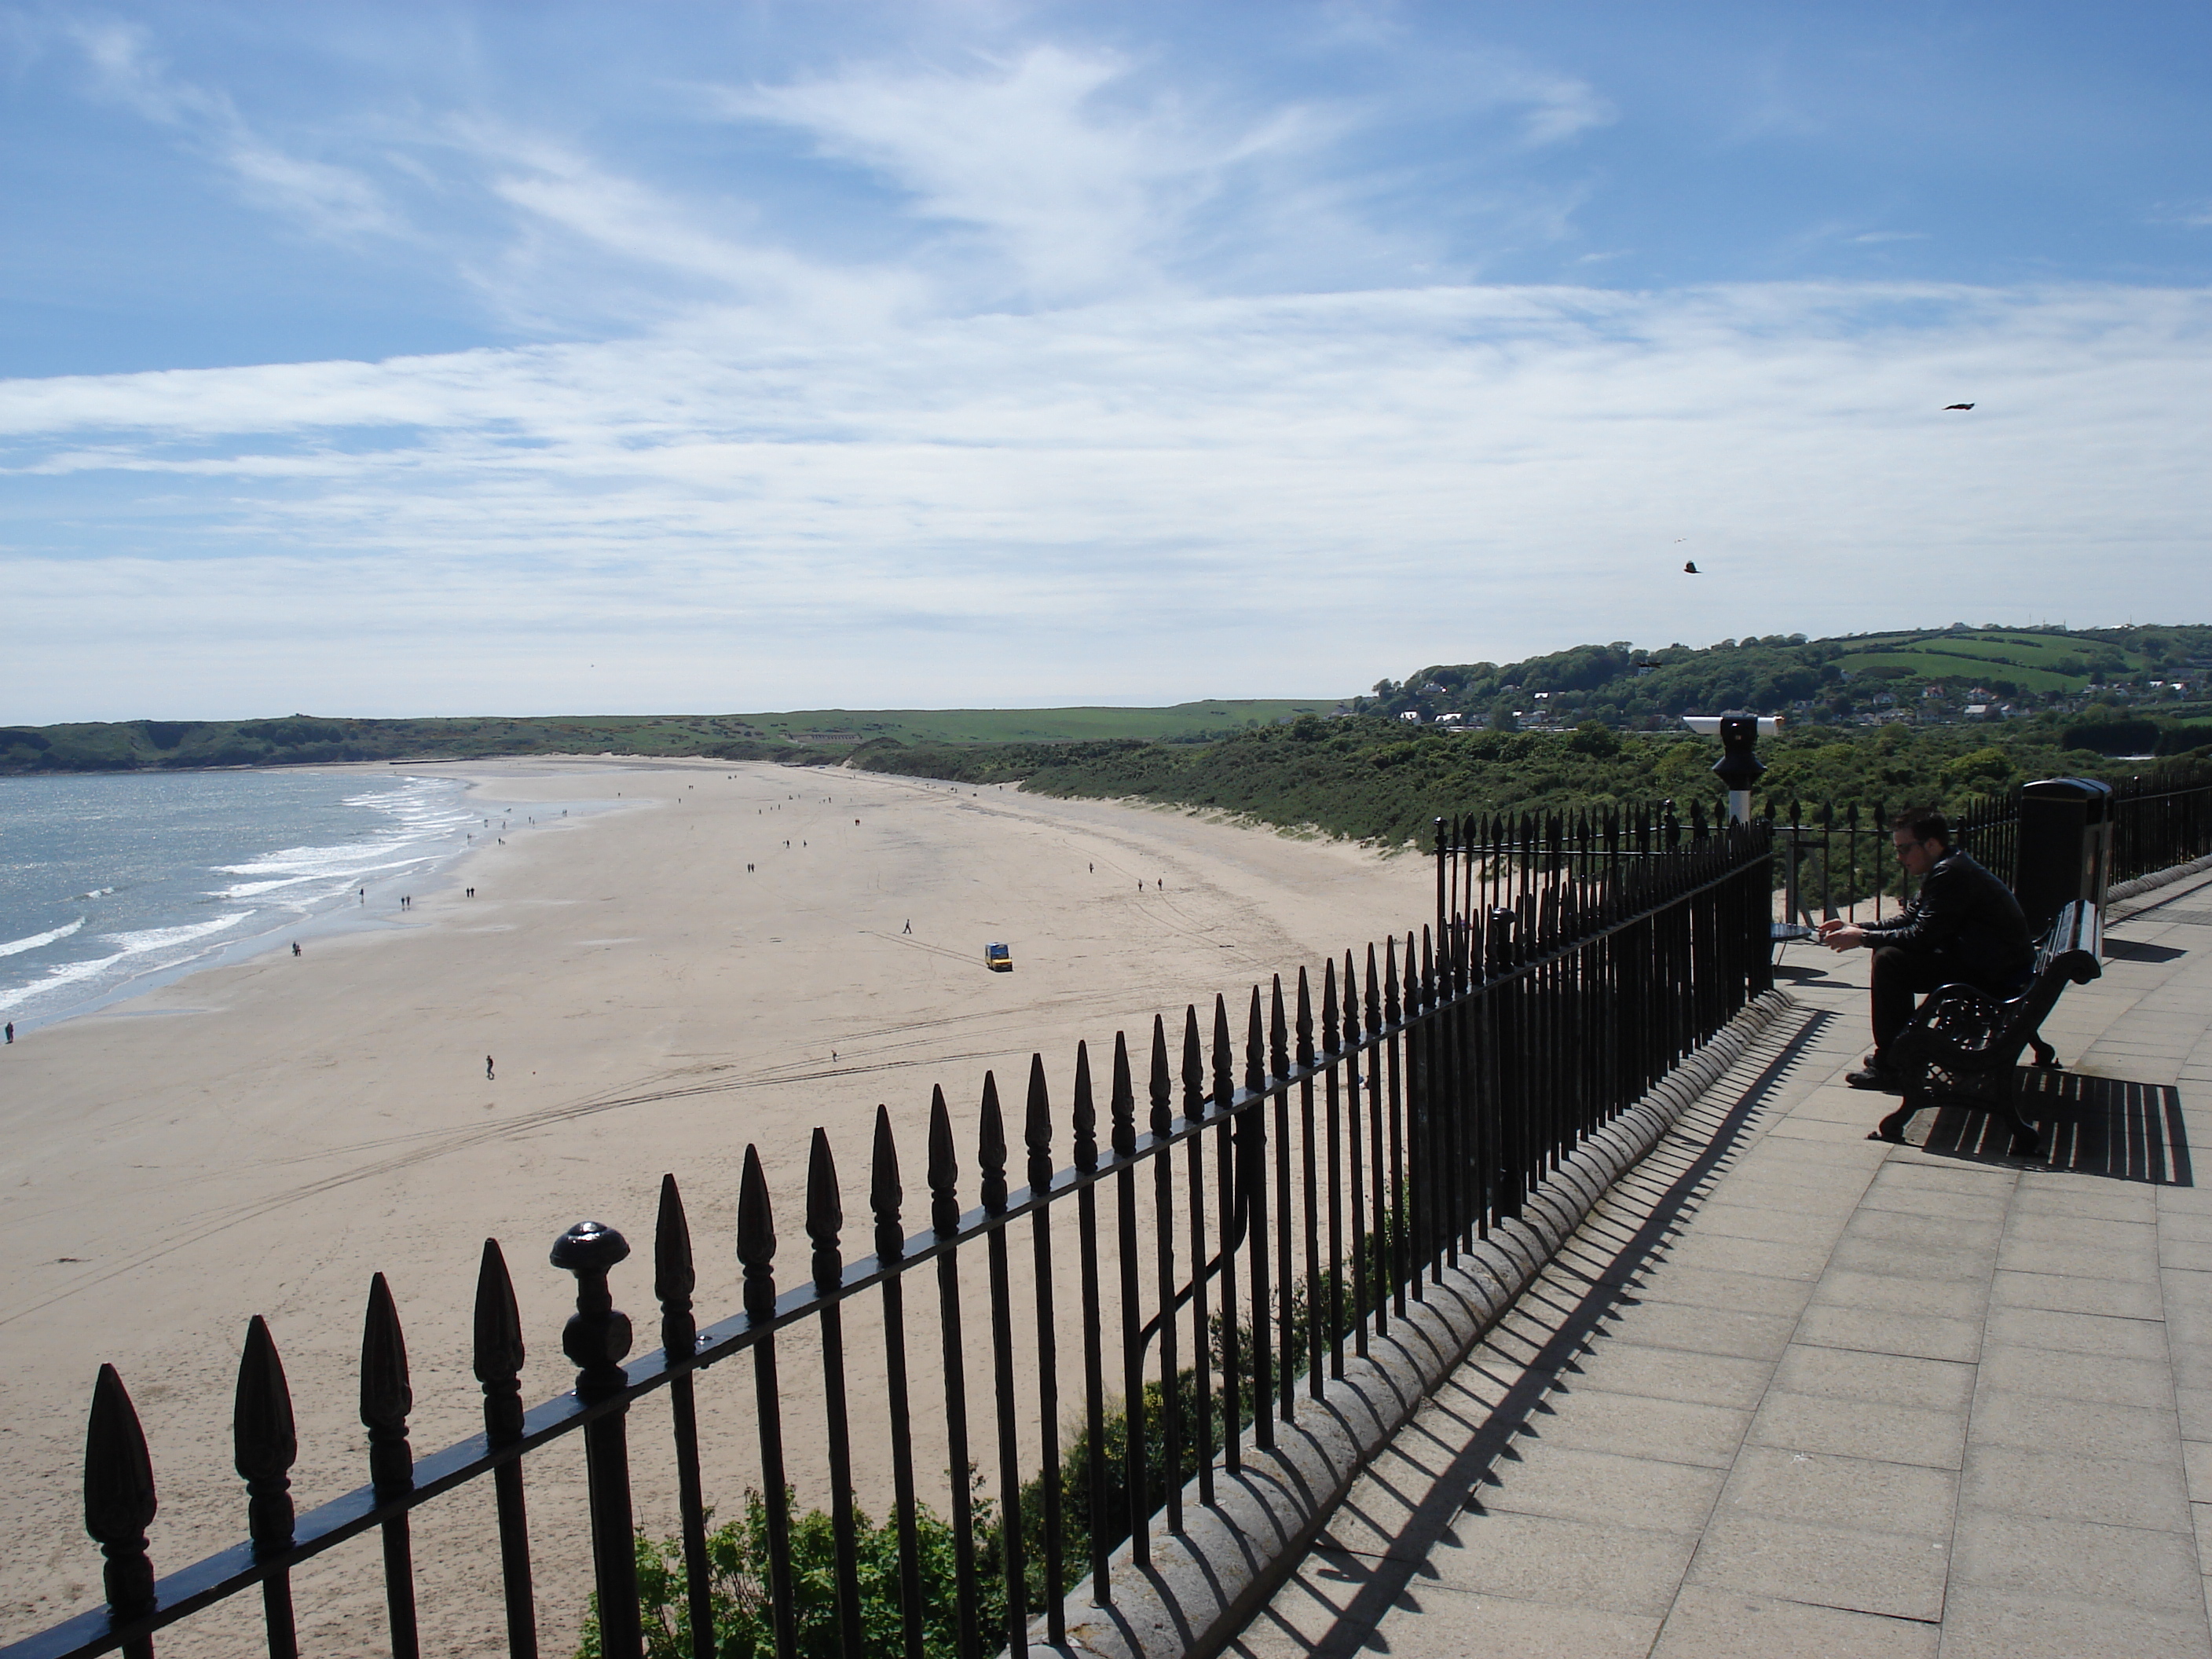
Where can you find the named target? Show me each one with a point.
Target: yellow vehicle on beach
(998, 958)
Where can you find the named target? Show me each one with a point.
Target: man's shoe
(1878, 1078)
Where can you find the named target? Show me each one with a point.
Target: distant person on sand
(295, 947)
(488, 1075)
(909, 928)
(11, 1032)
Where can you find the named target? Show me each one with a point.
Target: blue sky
(429, 359)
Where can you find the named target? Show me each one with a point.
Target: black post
(265, 1446)
(674, 1277)
(386, 1402)
(945, 1222)
(885, 1197)
(120, 1504)
(499, 1357)
(825, 1222)
(595, 1338)
(991, 1172)
(1037, 1135)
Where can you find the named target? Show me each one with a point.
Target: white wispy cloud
(1083, 196)
(326, 198)
(1279, 493)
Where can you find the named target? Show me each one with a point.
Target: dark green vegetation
(1374, 779)
(811, 736)
(1834, 677)
(1614, 733)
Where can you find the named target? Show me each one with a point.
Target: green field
(2032, 662)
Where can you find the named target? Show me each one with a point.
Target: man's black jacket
(1967, 921)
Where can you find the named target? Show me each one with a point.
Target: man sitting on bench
(1966, 928)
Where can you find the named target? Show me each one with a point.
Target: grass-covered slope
(1623, 684)
(806, 735)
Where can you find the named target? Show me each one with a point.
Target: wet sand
(261, 1138)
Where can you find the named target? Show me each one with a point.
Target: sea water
(111, 882)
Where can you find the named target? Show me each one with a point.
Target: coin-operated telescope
(1739, 766)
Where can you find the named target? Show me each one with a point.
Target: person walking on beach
(11, 1033)
(909, 928)
(488, 1074)
(295, 947)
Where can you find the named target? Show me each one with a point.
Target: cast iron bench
(1963, 1044)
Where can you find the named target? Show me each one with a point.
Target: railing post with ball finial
(596, 1338)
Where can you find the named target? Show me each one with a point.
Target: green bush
(744, 1620)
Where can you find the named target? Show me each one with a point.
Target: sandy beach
(723, 960)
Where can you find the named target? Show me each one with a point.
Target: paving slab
(1790, 1391)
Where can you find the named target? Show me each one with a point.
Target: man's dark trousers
(1900, 977)
(1899, 981)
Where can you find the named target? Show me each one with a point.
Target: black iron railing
(1270, 1208)
(1833, 860)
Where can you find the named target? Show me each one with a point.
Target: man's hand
(1840, 935)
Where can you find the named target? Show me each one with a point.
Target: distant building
(1412, 715)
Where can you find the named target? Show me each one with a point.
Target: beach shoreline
(258, 1138)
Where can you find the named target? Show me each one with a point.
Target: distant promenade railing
(1187, 1255)
(1832, 859)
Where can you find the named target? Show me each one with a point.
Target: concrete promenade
(1790, 1391)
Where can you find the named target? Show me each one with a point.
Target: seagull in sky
(1690, 568)
(1948, 408)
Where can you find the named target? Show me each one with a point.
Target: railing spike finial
(1224, 1056)
(885, 1192)
(119, 1503)
(1163, 1080)
(498, 1341)
(1375, 1014)
(1256, 1047)
(1350, 1029)
(1278, 1036)
(1037, 1128)
(944, 1169)
(1305, 1018)
(1428, 966)
(825, 1214)
(991, 1147)
(674, 1276)
(756, 1238)
(264, 1440)
(1123, 1103)
(1084, 1112)
(1194, 1065)
(386, 1397)
(1390, 980)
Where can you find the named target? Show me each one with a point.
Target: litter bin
(2065, 846)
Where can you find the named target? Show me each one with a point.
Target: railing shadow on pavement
(1387, 1580)
(2098, 1125)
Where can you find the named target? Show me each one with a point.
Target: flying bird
(1948, 408)
(1690, 568)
